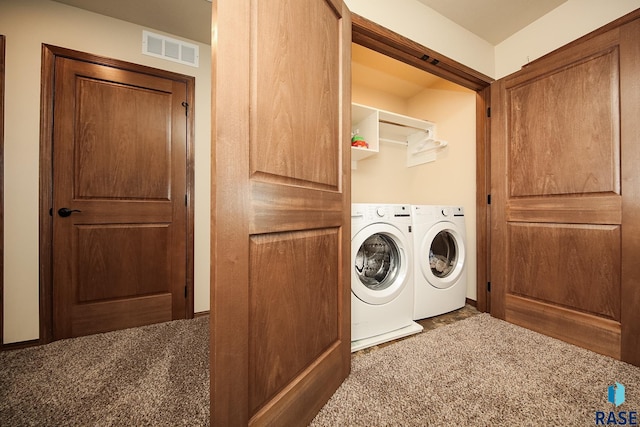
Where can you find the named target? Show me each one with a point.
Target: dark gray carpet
(476, 372)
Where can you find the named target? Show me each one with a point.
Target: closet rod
(386, 122)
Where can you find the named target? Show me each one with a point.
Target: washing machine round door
(380, 263)
(442, 255)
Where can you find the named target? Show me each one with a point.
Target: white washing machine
(381, 275)
(439, 244)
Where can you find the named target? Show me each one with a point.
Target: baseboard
(20, 344)
(200, 314)
(472, 302)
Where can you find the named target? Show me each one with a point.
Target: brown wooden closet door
(119, 161)
(564, 194)
(280, 324)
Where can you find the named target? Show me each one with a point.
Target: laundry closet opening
(444, 176)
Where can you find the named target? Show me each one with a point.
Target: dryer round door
(442, 255)
(380, 263)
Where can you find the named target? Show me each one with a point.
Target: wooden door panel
(289, 137)
(294, 304)
(575, 266)
(564, 135)
(277, 209)
(573, 209)
(280, 326)
(136, 164)
(582, 329)
(112, 315)
(108, 261)
(119, 161)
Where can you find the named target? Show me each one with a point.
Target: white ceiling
(493, 20)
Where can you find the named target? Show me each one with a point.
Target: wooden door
(119, 257)
(565, 201)
(280, 319)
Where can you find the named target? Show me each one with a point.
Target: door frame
(49, 55)
(2, 62)
(380, 39)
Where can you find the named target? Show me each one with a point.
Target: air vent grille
(170, 49)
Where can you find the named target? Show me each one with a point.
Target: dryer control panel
(449, 211)
(377, 212)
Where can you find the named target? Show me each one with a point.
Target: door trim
(373, 36)
(2, 60)
(376, 37)
(49, 55)
(483, 194)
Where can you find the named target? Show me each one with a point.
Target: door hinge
(488, 111)
(488, 199)
(488, 286)
(186, 108)
(186, 200)
(185, 291)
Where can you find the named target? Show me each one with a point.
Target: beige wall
(368, 185)
(450, 180)
(568, 22)
(422, 24)
(28, 24)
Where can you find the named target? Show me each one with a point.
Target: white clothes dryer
(381, 275)
(439, 243)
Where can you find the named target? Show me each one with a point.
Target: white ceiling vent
(170, 49)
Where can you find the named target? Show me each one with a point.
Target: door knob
(65, 212)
